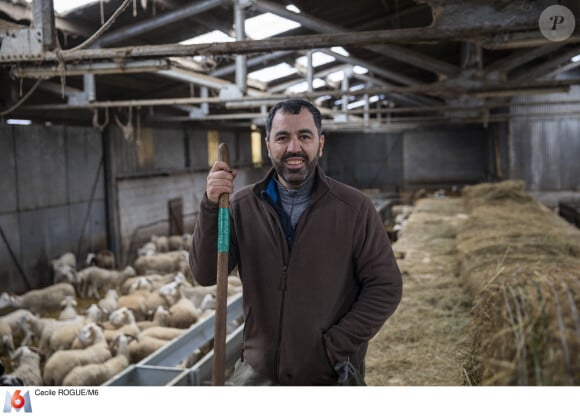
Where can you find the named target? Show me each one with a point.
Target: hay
(425, 342)
(522, 265)
(496, 194)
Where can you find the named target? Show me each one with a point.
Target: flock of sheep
(47, 339)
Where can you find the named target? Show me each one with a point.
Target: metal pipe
(158, 21)
(344, 87)
(240, 26)
(204, 93)
(147, 65)
(366, 109)
(506, 88)
(89, 87)
(309, 71)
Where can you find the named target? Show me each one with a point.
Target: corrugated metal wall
(46, 178)
(544, 152)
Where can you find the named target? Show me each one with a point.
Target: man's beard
(295, 177)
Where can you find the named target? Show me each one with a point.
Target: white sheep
(165, 296)
(169, 262)
(94, 313)
(42, 329)
(69, 310)
(135, 302)
(197, 293)
(109, 303)
(64, 268)
(143, 299)
(161, 243)
(183, 313)
(47, 299)
(27, 366)
(16, 320)
(95, 279)
(62, 362)
(141, 283)
(99, 373)
(64, 337)
(147, 249)
(143, 347)
(6, 339)
(160, 318)
(162, 332)
(124, 322)
(156, 280)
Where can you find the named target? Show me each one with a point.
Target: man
(319, 276)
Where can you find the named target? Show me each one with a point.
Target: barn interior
(112, 113)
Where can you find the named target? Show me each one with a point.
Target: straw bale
(528, 327)
(496, 193)
(521, 263)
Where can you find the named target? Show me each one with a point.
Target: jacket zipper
(283, 284)
(282, 288)
(283, 279)
(280, 319)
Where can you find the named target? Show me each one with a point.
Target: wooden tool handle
(224, 153)
(219, 341)
(224, 156)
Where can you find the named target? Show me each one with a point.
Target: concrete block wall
(143, 204)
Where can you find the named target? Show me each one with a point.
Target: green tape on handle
(223, 230)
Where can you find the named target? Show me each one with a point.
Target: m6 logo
(17, 402)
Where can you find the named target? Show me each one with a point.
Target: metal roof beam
(157, 22)
(398, 53)
(520, 58)
(267, 45)
(544, 69)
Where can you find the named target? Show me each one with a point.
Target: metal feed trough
(162, 368)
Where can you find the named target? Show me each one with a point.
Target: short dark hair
(294, 106)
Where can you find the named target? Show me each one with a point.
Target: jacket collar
(320, 186)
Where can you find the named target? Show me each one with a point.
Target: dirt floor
(425, 342)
